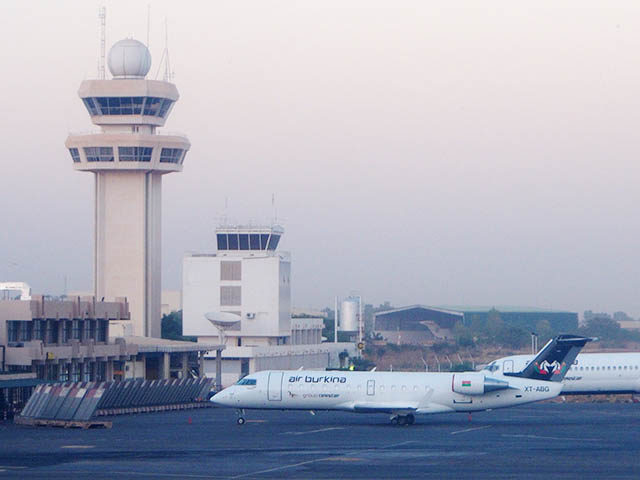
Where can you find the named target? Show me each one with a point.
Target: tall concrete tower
(128, 159)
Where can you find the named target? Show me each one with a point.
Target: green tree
(172, 327)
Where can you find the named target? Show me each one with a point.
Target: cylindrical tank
(349, 315)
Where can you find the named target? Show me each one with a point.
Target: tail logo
(554, 367)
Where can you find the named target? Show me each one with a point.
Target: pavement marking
(541, 437)
(313, 431)
(323, 459)
(256, 421)
(470, 429)
(78, 446)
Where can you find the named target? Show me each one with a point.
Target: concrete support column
(201, 364)
(219, 369)
(109, 372)
(166, 366)
(185, 365)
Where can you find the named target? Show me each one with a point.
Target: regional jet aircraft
(405, 394)
(590, 373)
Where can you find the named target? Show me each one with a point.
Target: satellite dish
(222, 321)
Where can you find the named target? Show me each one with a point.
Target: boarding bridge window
(75, 155)
(230, 296)
(170, 155)
(134, 154)
(223, 243)
(231, 271)
(99, 154)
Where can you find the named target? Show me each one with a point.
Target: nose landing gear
(241, 420)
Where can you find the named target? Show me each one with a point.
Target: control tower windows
(254, 241)
(75, 155)
(99, 154)
(134, 154)
(233, 241)
(152, 106)
(273, 242)
(244, 241)
(91, 106)
(264, 239)
(171, 155)
(223, 244)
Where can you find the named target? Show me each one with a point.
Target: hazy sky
(427, 152)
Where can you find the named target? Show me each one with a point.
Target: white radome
(129, 58)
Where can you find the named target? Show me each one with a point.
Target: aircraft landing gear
(241, 420)
(408, 419)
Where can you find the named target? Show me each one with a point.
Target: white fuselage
(589, 373)
(385, 392)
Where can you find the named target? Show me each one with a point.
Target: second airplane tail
(552, 362)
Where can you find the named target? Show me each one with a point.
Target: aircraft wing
(384, 407)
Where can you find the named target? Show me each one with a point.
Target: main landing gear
(408, 419)
(241, 420)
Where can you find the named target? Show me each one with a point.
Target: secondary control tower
(128, 159)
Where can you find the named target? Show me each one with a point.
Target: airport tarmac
(537, 441)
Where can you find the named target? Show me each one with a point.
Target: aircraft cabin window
(404, 388)
(415, 388)
(381, 388)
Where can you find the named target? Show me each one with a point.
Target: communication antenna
(273, 206)
(102, 16)
(148, 23)
(168, 74)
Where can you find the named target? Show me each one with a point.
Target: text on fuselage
(319, 379)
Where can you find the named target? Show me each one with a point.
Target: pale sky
(434, 152)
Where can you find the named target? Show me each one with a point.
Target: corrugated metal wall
(79, 401)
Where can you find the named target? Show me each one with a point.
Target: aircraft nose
(222, 398)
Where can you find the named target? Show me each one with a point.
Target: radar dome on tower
(129, 58)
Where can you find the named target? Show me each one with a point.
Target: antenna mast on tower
(168, 74)
(102, 15)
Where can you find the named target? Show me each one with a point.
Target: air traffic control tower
(128, 159)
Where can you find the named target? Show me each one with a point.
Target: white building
(128, 159)
(249, 277)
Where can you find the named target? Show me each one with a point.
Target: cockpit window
(492, 367)
(247, 381)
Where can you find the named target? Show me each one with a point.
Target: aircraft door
(371, 387)
(507, 366)
(274, 388)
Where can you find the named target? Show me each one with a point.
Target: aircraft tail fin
(552, 362)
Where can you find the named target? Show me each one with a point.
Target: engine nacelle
(476, 384)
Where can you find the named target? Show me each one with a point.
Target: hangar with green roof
(417, 324)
